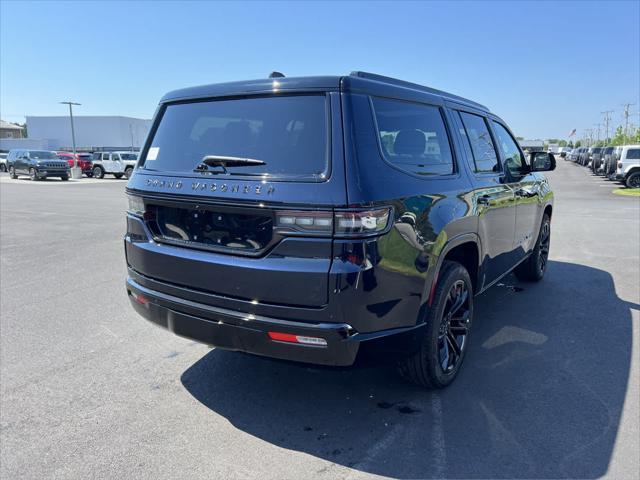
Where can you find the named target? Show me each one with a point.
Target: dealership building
(92, 133)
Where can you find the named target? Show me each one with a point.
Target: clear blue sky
(545, 67)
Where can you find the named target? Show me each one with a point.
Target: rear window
(287, 133)
(633, 154)
(413, 137)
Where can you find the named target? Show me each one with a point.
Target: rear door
(253, 230)
(493, 196)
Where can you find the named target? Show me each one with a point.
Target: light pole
(73, 138)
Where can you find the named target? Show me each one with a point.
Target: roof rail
(416, 86)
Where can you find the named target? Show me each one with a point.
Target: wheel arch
(465, 249)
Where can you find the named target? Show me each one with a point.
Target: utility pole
(607, 118)
(626, 120)
(589, 136)
(598, 125)
(131, 133)
(74, 172)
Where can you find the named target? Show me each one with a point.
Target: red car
(84, 161)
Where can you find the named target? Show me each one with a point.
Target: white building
(92, 132)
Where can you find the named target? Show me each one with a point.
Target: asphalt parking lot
(550, 387)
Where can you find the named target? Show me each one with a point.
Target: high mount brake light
(344, 223)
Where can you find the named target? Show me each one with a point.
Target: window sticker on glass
(153, 152)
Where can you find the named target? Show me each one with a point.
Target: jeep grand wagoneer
(325, 219)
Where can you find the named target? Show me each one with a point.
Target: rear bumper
(239, 331)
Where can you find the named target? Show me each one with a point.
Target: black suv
(38, 164)
(329, 219)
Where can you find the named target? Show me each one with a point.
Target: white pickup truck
(118, 164)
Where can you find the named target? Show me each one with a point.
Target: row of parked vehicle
(620, 163)
(42, 164)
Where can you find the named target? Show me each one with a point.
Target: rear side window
(413, 137)
(287, 133)
(479, 139)
(633, 154)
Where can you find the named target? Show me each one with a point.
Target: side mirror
(542, 162)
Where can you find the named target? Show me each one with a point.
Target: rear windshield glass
(287, 133)
(42, 155)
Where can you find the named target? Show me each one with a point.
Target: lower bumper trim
(249, 333)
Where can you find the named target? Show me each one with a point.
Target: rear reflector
(290, 338)
(141, 299)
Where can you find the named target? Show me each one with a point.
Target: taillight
(305, 221)
(361, 222)
(342, 223)
(136, 206)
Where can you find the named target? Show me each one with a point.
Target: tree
(577, 144)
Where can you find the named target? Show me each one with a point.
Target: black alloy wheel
(454, 327)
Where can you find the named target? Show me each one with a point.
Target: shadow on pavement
(540, 394)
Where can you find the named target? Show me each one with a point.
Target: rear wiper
(223, 162)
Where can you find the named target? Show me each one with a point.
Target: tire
(12, 172)
(64, 178)
(98, 172)
(128, 172)
(3, 167)
(89, 174)
(443, 346)
(534, 267)
(33, 175)
(118, 175)
(633, 180)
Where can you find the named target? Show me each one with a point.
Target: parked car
(605, 158)
(595, 158)
(3, 162)
(564, 151)
(38, 164)
(129, 159)
(118, 164)
(628, 167)
(83, 159)
(575, 153)
(585, 159)
(274, 217)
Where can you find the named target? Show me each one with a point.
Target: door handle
(484, 200)
(521, 192)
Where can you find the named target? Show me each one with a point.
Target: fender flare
(432, 279)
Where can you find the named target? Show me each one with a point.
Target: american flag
(573, 132)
